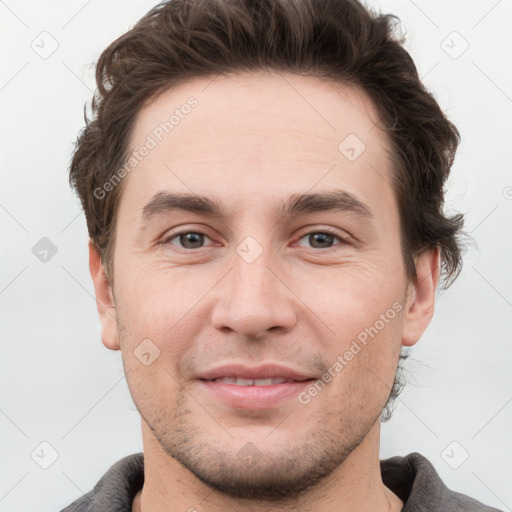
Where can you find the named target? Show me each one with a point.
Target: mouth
(262, 387)
(253, 382)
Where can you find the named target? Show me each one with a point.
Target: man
(263, 187)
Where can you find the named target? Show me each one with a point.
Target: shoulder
(416, 482)
(116, 488)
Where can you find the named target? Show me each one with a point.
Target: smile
(252, 382)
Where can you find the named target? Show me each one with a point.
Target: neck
(355, 486)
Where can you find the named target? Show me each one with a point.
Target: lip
(265, 371)
(253, 397)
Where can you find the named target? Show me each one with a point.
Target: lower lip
(254, 397)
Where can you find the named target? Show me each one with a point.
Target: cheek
(364, 364)
(352, 296)
(363, 308)
(161, 303)
(149, 294)
(153, 388)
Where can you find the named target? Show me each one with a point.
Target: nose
(255, 298)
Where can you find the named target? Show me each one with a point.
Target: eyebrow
(296, 204)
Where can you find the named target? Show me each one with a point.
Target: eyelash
(201, 232)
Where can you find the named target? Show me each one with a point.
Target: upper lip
(266, 371)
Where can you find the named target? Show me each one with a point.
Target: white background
(59, 384)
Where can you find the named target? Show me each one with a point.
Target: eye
(188, 239)
(322, 239)
(195, 239)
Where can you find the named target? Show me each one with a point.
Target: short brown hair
(337, 40)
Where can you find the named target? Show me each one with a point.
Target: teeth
(244, 382)
(227, 380)
(268, 382)
(251, 382)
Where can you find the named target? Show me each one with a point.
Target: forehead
(258, 134)
(274, 107)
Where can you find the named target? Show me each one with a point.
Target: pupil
(322, 238)
(191, 238)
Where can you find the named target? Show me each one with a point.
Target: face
(260, 291)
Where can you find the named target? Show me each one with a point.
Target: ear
(104, 300)
(421, 296)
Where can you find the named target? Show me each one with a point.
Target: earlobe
(421, 296)
(104, 300)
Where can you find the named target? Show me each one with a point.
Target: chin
(258, 470)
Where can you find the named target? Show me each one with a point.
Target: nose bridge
(253, 299)
(252, 276)
(253, 282)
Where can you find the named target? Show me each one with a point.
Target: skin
(253, 140)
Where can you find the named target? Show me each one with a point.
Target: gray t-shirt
(412, 478)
